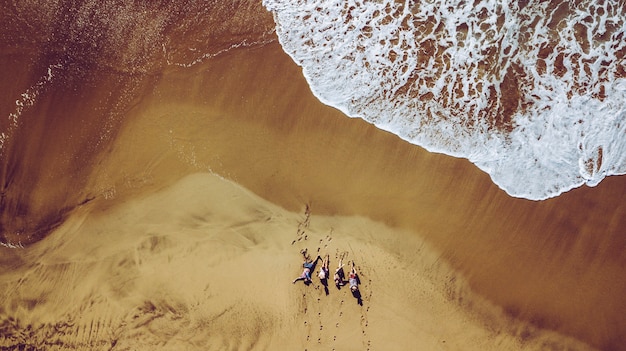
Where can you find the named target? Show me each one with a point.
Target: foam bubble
(531, 92)
(27, 99)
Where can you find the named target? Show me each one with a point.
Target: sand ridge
(169, 256)
(173, 270)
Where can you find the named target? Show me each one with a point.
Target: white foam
(439, 74)
(26, 100)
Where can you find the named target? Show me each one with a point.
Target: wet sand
(166, 254)
(557, 263)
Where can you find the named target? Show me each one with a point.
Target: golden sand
(206, 265)
(169, 255)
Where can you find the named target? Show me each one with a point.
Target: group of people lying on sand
(340, 278)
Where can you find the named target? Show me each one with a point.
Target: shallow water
(99, 117)
(73, 71)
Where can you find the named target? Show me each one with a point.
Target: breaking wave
(532, 92)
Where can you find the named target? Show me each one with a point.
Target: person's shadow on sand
(325, 284)
(357, 296)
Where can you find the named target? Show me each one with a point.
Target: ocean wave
(532, 92)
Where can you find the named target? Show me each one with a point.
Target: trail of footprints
(317, 334)
(302, 226)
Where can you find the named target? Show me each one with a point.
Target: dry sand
(206, 265)
(171, 256)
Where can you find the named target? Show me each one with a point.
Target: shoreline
(261, 127)
(248, 116)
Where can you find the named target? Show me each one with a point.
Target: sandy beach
(222, 173)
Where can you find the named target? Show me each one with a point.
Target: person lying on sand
(308, 266)
(340, 275)
(353, 279)
(324, 269)
(354, 285)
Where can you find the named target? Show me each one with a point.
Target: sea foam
(532, 92)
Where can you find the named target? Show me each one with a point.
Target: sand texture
(183, 227)
(206, 265)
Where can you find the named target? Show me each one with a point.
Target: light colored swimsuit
(352, 281)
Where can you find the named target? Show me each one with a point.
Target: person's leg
(302, 276)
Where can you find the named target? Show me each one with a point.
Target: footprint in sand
(301, 232)
(328, 240)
